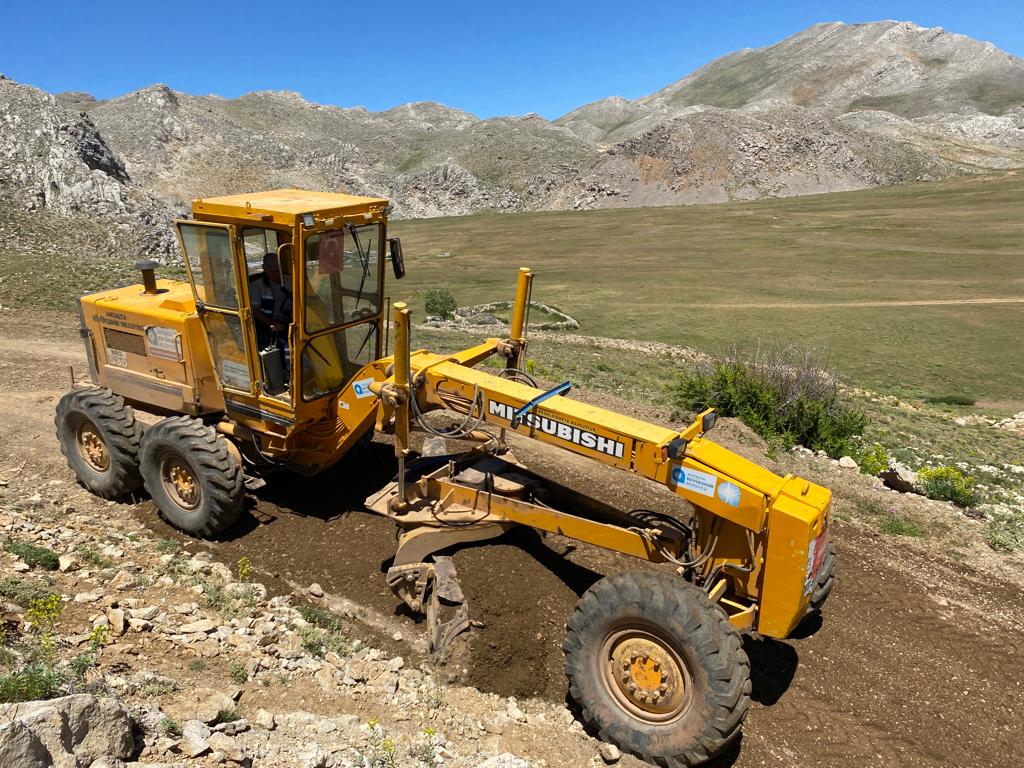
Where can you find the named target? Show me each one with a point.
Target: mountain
(834, 107)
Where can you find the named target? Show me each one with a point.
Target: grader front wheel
(657, 669)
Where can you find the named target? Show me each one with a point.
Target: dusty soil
(917, 661)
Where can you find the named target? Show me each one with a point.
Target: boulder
(194, 735)
(900, 478)
(64, 733)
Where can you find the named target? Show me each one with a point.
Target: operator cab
(290, 288)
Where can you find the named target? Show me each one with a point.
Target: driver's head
(271, 268)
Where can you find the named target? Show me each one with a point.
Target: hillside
(836, 107)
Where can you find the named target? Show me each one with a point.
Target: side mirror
(397, 260)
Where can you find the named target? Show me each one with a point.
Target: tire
(99, 436)
(826, 580)
(192, 476)
(693, 643)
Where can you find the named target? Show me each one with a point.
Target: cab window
(342, 274)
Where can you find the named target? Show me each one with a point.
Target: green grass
(23, 591)
(898, 526)
(796, 270)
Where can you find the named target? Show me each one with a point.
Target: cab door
(215, 270)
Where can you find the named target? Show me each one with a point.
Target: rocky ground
(280, 643)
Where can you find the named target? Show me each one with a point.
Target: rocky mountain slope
(835, 107)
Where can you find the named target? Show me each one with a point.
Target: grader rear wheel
(657, 669)
(99, 437)
(193, 477)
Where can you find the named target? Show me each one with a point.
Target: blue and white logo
(699, 482)
(729, 494)
(362, 388)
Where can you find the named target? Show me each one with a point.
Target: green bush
(946, 484)
(22, 591)
(36, 681)
(873, 459)
(439, 302)
(785, 394)
(1005, 530)
(34, 555)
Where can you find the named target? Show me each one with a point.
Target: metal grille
(124, 341)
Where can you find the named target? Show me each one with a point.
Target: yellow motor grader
(271, 355)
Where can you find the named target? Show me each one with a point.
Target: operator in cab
(271, 303)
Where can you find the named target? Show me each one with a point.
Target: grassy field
(839, 272)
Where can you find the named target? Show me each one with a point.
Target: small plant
(236, 671)
(197, 665)
(898, 526)
(82, 663)
(947, 484)
(91, 556)
(873, 459)
(168, 546)
(439, 302)
(43, 614)
(226, 716)
(318, 617)
(33, 555)
(380, 750)
(428, 747)
(156, 688)
(98, 637)
(244, 569)
(1005, 530)
(170, 727)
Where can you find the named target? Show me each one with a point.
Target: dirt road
(918, 661)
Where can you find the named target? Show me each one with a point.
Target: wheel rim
(645, 675)
(92, 447)
(180, 482)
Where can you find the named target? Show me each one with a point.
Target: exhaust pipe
(148, 269)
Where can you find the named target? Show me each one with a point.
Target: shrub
(439, 302)
(947, 484)
(873, 459)
(785, 394)
(22, 591)
(34, 555)
(236, 671)
(318, 617)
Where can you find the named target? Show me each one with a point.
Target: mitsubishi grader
(272, 356)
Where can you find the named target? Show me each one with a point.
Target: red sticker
(332, 253)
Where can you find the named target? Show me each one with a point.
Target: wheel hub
(93, 448)
(646, 676)
(180, 483)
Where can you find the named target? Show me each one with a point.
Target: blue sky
(487, 58)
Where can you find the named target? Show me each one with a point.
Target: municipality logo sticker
(698, 482)
(362, 388)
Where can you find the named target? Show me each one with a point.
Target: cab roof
(285, 203)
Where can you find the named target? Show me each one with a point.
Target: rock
(87, 597)
(227, 746)
(122, 580)
(66, 563)
(146, 614)
(212, 705)
(609, 753)
(116, 620)
(312, 756)
(21, 566)
(395, 664)
(847, 462)
(203, 625)
(900, 478)
(265, 719)
(504, 760)
(194, 735)
(315, 590)
(325, 678)
(514, 712)
(71, 730)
